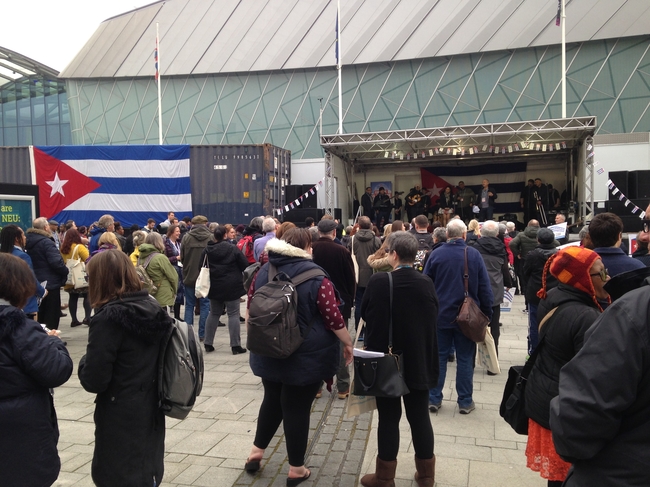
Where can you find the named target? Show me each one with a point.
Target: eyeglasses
(603, 275)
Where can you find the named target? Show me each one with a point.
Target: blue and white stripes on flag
(133, 183)
(507, 179)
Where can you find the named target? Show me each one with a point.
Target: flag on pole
(558, 18)
(155, 58)
(336, 44)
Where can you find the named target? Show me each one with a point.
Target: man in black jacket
(599, 419)
(366, 204)
(337, 262)
(382, 206)
(48, 266)
(533, 268)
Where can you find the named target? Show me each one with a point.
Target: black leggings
(72, 301)
(416, 404)
(291, 404)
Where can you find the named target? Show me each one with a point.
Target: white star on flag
(57, 185)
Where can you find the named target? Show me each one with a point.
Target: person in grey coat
(494, 255)
(363, 244)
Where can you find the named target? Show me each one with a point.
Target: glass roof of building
(14, 66)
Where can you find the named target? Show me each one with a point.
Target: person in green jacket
(160, 270)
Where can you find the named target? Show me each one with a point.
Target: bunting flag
(294, 204)
(627, 202)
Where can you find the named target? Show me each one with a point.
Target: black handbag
(513, 403)
(381, 376)
(471, 320)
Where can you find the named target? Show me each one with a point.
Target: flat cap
(199, 220)
(326, 226)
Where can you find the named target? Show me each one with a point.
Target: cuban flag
(132, 183)
(508, 180)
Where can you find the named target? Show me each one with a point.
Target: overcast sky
(52, 32)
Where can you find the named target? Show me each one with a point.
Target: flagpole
(338, 66)
(160, 136)
(563, 59)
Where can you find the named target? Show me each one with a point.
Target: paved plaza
(209, 448)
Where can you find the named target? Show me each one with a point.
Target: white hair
(490, 229)
(510, 226)
(268, 225)
(456, 228)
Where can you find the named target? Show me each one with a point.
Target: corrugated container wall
(15, 166)
(232, 184)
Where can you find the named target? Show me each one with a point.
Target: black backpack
(425, 242)
(273, 329)
(180, 370)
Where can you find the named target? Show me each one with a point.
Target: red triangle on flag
(434, 184)
(59, 185)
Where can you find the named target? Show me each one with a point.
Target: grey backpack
(145, 279)
(273, 329)
(180, 371)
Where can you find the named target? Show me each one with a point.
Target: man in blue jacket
(446, 268)
(48, 266)
(106, 223)
(606, 233)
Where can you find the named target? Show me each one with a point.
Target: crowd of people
(408, 277)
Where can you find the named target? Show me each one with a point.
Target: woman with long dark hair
(226, 264)
(173, 252)
(121, 367)
(70, 247)
(31, 363)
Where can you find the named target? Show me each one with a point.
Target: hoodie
(364, 243)
(192, 247)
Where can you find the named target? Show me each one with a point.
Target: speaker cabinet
(639, 184)
(298, 215)
(620, 179)
(310, 201)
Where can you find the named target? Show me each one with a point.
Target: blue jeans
(358, 297)
(533, 328)
(465, 352)
(190, 302)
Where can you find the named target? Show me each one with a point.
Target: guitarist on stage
(414, 202)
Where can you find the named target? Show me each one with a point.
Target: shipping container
(15, 165)
(234, 183)
(229, 183)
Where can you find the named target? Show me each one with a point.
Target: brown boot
(426, 472)
(384, 475)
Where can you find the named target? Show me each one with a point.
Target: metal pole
(338, 67)
(563, 59)
(160, 136)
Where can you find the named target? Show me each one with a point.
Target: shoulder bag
(202, 287)
(513, 403)
(381, 376)
(354, 261)
(471, 320)
(77, 277)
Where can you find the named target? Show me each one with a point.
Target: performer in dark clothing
(540, 196)
(382, 207)
(413, 202)
(527, 201)
(366, 203)
(465, 198)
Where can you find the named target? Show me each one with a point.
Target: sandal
(252, 466)
(293, 482)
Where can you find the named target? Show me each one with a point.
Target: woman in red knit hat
(575, 303)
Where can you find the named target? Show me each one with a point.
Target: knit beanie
(571, 266)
